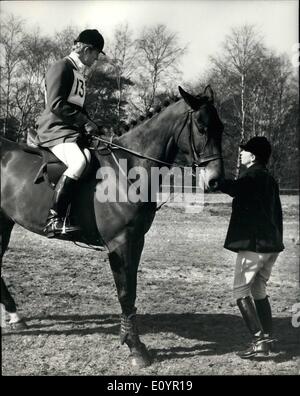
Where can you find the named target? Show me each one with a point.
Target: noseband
(200, 159)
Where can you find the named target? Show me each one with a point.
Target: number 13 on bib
(77, 94)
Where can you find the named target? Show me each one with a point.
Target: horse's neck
(152, 137)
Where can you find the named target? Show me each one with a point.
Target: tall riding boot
(264, 313)
(62, 197)
(260, 344)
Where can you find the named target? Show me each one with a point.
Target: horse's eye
(203, 128)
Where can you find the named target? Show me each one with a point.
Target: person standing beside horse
(255, 233)
(65, 119)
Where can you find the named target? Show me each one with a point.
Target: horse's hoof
(138, 361)
(21, 325)
(140, 358)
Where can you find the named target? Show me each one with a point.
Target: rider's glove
(90, 127)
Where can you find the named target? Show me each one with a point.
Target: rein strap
(110, 145)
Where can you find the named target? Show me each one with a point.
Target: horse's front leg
(16, 322)
(124, 262)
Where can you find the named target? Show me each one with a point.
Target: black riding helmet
(260, 147)
(91, 37)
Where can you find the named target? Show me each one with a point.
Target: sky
(202, 24)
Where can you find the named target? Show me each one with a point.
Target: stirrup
(57, 226)
(67, 228)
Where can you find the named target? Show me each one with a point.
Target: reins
(111, 146)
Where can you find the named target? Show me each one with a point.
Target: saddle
(51, 168)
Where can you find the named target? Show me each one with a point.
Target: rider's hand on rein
(90, 127)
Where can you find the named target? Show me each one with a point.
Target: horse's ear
(209, 93)
(191, 100)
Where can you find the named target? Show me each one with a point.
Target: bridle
(199, 160)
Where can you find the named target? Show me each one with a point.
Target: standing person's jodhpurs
(252, 272)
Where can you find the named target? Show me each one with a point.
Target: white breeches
(71, 155)
(252, 272)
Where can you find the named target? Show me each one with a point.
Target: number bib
(77, 94)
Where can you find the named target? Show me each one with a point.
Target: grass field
(188, 318)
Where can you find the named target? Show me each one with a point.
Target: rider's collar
(75, 58)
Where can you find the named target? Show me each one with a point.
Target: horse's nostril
(213, 184)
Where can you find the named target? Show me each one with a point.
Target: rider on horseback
(63, 120)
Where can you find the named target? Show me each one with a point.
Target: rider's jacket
(65, 91)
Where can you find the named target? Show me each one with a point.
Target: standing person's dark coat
(256, 219)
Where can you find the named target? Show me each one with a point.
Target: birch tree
(256, 97)
(123, 61)
(159, 58)
(239, 60)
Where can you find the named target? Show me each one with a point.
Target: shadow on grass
(214, 334)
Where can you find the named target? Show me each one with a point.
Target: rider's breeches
(75, 159)
(252, 272)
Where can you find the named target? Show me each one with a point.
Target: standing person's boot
(56, 223)
(260, 342)
(264, 312)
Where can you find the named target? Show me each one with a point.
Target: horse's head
(199, 139)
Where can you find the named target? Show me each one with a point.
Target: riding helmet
(91, 37)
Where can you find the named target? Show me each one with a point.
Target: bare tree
(274, 101)
(65, 40)
(256, 98)
(37, 54)
(123, 62)
(25, 58)
(239, 60)
(159, 57)
(11, 42)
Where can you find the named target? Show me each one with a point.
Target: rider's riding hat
(260, 147)
(91, 37)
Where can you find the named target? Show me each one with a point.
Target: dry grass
(188, 318)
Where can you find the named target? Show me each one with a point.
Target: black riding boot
(56, 223)
(260, 342)
(264, 313)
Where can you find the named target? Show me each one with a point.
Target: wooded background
(256, 89)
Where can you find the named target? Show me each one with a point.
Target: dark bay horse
(188, 132)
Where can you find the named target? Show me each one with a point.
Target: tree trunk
(7, 105)
(238, 165)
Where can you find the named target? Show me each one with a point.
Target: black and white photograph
(149, 208)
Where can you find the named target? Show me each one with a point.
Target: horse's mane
(126, 127)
